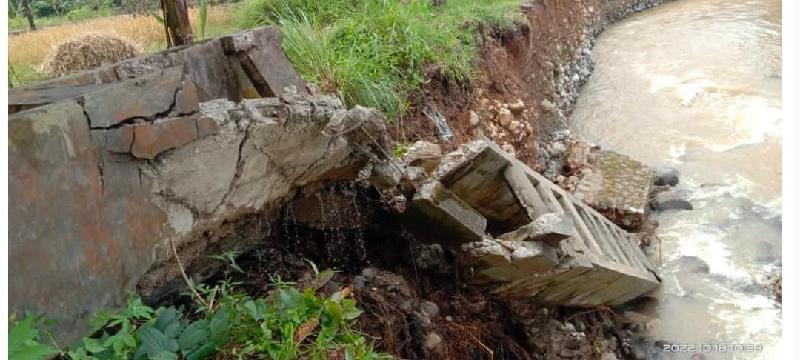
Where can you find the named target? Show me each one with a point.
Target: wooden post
(176, 22)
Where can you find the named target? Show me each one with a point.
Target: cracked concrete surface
(107, 167)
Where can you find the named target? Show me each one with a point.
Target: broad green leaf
(333, 310)
(349, 309)
(137, 309)
(169, 322)
(203, 352)
(21, 332)
(99, 320)
(194, 335)
(93, 345)
(219, 324)
(256, 308)
(155, 342)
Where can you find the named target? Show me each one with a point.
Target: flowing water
(696, 85)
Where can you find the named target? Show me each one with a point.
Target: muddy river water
(696, 85)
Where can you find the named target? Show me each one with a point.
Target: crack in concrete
(237, 172)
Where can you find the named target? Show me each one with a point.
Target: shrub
(86, 13)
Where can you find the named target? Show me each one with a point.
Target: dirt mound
(88, 51)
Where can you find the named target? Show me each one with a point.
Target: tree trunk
(176, 22)
(26, 8)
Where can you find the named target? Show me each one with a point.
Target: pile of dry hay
(88, 51)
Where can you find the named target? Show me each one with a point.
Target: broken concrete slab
(507, 261)
(525, 192)
(571, 254)
(263, 60)
(145, 98)
(214, 73)
(474, 173)
(618, 187)
(423, 154)
(550, 228)
(439, 209)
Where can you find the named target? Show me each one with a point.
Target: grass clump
(377, 52)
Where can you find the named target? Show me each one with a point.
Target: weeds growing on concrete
(377, 52)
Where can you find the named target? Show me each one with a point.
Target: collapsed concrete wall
(249, 64)
(105, 178)
(514, 228)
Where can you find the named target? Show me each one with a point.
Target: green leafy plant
(229, 257)
(114, 335)
(288, 323)
(24, 343)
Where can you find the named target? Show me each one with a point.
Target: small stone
(514, 125)
(548, 106)
(504, 117)
(432, 341)
(369, 272)
(359, 282)
(424, 154)
(608, 356)
(474, 119)
(666, 176)
(517, 106)
(429, 308)
(568, 326)
(672, 200)
(509, 148)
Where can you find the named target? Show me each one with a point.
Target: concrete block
(474, 173)
(261, 56)
(618, 187)
(442, 211)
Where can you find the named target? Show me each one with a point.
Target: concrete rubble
(516, 229)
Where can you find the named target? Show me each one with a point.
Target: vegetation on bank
(371, 52)
(377, 52)
(290, 322)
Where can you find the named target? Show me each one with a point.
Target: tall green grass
(376, 52)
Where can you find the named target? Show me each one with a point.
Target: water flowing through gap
(696, 85)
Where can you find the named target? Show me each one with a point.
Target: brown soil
(533, 62)
(415, 304)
